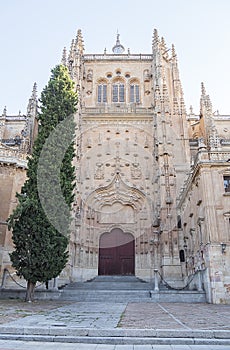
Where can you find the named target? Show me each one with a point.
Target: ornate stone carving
(99, 172)
(136, 171)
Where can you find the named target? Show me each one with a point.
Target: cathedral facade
(153, 181)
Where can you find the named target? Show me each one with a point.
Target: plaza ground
(113, 326)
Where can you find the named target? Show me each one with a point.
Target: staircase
(123, 289)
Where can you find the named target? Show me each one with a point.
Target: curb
(116, 336)
(116, 340)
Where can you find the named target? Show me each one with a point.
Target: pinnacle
(79, 42)
(63, 60)
(174, 55)
(155, 37)
(4, 112)
(203, 91)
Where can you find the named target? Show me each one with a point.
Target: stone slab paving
(75, 315)
(101, 322)
(111, 315)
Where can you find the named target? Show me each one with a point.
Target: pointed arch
(102, 90)
(134, 90)
(118, 90)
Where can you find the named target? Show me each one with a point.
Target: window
(118, 92)
(182, 255)
(179, 222)
(102, 93)
(227, 183)
(134, 93)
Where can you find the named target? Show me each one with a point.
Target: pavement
(113, 326)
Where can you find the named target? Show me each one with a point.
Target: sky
(34, 32)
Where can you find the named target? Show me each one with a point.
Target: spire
(155, 38)
(2, 124)
(34, 91)
(64, 58)
(71, 52)
(31, 123)
(210, 131)
(32, 105)
(79, 42)
(4, 112)
(205, 102)
(118, 48)
(174, 54)
(163, 44)
(203, 90)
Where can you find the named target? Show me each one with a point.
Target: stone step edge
(113, 332)
(117, 340)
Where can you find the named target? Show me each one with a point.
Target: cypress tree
(40, 243)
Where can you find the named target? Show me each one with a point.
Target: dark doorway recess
(116, 253)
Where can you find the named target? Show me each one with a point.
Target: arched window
(134, 93)
(102, 93)
(118, 92)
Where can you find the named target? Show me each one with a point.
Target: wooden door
(116, 253)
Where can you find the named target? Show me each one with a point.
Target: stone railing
(225, 142)
(104, 57)
(122, 109)
(13, 156)
(210, 156)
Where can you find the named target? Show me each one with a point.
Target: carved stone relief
(117, 213)
(99, 172)
(136, 171)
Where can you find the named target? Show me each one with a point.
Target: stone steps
(106, 295)
(111, 283)
(125, 289)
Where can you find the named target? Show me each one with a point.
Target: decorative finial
(64, 55)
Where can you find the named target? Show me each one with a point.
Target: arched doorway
(116, 253)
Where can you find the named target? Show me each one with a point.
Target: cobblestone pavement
(176, 316)
(20, 345)
(10, 310)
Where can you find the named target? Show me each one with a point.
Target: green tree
(40, 243)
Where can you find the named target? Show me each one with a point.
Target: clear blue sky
(33, 34)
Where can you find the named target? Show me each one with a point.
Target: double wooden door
(116, 253)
